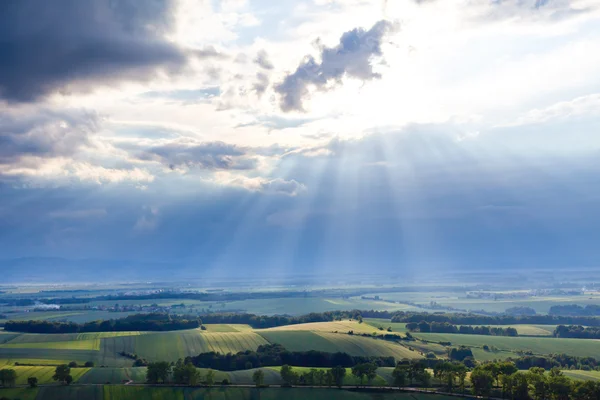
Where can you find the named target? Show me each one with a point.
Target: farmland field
(170, 346)
(333, 326)
(334, 342)
(541, 345)
(93, 344)
(114, 375)
(385, 323)
(221, 393)
(19, 393)
(44, 374)
(227, 328)
(583, 375)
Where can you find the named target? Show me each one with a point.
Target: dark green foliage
(445, 327)
(61, 373)
(577, 331)
(460, 353)
(158, 372)
(258, 377)
(138, 322)
(338, 373)
(8, 377)
(477, 319)
(482, 382)
(365, 370)
(275, 355)
(32, 381)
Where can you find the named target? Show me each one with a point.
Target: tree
(61, 372)
(559, 386)
(158, 372)
(461, 374)
(482, 382)
(210, 377)
(73, 364)
(329, 378)
(365, 370)
(288, 375)
(32, 381)
(258, 377)
(587, 390)
(68, 379)
(538, 382)
(338, 375)
(89, 364)
(8, 377)
(400, 375)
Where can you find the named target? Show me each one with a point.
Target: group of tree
(181, 373)
(313, 377)
(590, 310)
(408, 372)
(502, 319)
(445, 327)
(8, 377)
(556, 360)
(276, 355)
(533, 384)
(138, 322)
(577, 331)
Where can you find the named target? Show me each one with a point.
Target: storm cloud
(351, 57)
(66, 45)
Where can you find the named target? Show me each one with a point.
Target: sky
(299, 137)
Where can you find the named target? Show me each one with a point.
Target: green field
(221, 393)
(539, 345)
(334, 342)
(44, 374)
(20, 393)
(583, 375)
(385, 323)
(170, 346)
(93, 344)
(114, 375)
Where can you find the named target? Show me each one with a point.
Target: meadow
(538, 345)
(121, 392)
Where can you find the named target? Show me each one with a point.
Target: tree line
(556, 360)
(589, 310)
(577, 331)
(275, 355)
(138, 322)
(62, 374)
(445, 327)
(476, 319)
(533, 384)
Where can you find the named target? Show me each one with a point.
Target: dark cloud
(261, 84)
(210, 155)
(262, 59)
(351, 57)
(44, 132)
(72, 44)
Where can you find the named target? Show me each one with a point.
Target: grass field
(333, 326)
(72, 393)
(93, 344)
(44, 374)
(583, 375)
(385, 323)
(540, 345)
(334, 342)
(170, 346)
(227, 328)
(114, 375)
(221, 393)
(19, 393)
(65, 356)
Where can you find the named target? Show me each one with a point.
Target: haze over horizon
(322, 136)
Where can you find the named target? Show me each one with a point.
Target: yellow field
(35, 361)
(102, 335)
(333, 326)
(227, 328)
(93, 344)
